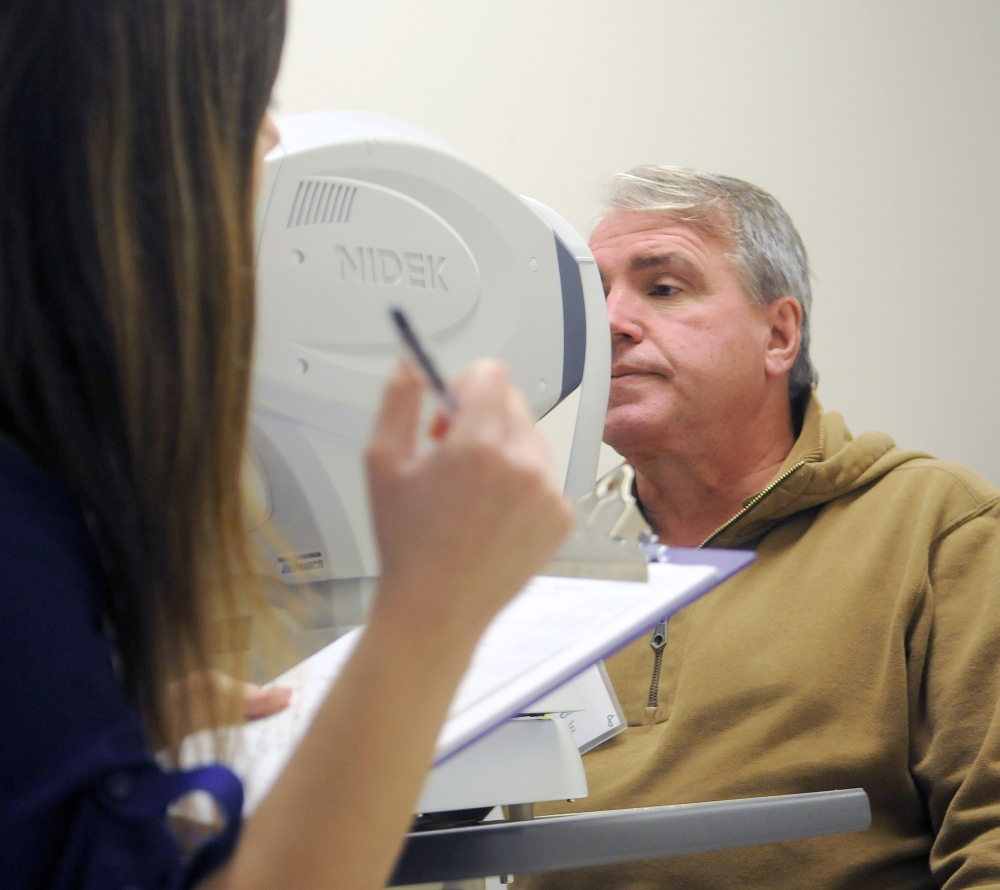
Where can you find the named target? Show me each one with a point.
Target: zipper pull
(659, 638)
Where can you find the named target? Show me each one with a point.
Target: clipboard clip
(610, 537)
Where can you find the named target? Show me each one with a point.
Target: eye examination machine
(360, 213)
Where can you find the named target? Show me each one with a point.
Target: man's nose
(624, 314)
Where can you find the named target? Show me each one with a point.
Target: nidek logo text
(379, 265)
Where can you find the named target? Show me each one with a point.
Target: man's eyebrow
(665, 260)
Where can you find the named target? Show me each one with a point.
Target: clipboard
(554, 629)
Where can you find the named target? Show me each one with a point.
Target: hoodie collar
(825, 462)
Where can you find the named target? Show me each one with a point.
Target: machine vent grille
(319, 201)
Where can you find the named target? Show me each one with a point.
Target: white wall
(875, 122)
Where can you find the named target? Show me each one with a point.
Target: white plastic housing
(360, 212)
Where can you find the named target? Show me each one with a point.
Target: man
(862, 648)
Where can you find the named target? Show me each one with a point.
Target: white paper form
(550, 632)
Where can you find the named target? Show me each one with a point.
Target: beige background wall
(875, 122)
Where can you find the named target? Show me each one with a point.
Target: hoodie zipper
(658, 640)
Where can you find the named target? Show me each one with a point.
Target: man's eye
(664, 290)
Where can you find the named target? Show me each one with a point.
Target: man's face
(688, 346)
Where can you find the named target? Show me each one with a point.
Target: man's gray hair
(768, 253)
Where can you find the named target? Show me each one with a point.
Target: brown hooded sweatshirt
(861, 649)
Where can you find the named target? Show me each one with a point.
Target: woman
(132, 136)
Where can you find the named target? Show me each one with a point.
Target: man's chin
(636, 428)
(626, 436)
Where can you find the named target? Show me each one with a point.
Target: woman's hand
(461, 527)
(199, 700)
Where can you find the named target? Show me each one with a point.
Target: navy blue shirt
(82, 799)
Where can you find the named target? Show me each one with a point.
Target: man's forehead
(642, 240)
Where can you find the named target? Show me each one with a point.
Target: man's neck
(687, 497)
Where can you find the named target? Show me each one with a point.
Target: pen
(423, 361)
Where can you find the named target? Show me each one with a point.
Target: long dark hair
(128, 130)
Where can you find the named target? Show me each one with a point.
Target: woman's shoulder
(28, 492)
(44, 539)
(68, 728)
(56, 664)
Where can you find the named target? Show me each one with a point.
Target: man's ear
(784, 316)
